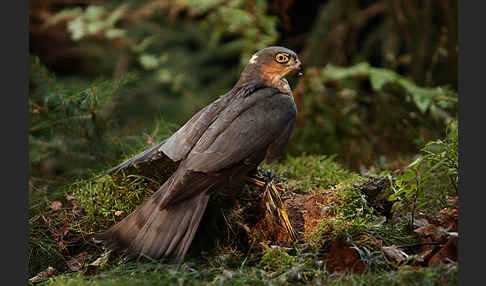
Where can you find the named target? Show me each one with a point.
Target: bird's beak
(298, 66)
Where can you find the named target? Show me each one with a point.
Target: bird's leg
(232, 191)
(274, 201)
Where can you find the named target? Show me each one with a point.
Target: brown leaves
(55, 205)
(342, 257)
(431, 233)
(94, 266)
(441, 228)
(448, 253)
(47, 273)
(76, 263)
(395, 253)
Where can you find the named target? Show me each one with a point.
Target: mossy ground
(336, 217)
(193, 274)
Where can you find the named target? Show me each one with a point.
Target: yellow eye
(282, 58)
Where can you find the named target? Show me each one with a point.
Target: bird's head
(272, 64)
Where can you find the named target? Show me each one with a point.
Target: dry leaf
(432, 231)
(395, 253)
(70, 197)
(92, 268)
(49, 272)
(77, 262)
(55, 205)
(342, 257)
(447, 253)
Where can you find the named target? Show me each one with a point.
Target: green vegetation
(193, 274)
(431, 180)
(313, 173)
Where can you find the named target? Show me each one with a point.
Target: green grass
(192, 274)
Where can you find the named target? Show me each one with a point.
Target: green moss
(313, 173)
(109, 198)
(190, 274)
(276, 259)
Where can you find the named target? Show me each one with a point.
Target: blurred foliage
(380, 76)
(360, 112)
(68, 130)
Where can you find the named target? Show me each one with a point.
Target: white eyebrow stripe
(253, 59)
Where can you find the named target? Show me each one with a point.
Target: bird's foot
(274, 203)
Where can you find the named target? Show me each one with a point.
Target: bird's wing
(177, 146)
(243, 129)
(180, 143)
(278, 145)
(151, 154)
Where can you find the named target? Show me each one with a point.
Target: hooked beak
(298, 66)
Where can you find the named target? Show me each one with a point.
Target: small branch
(420, 244)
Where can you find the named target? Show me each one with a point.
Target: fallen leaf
(78, 211)
(446, 218)
(92, 268)
(77, 262)
(424, 255)
(61, 232)
(447, 253)
(343, 257)
(436, 233)
(55, 205)
(395, 253)
(49, 272)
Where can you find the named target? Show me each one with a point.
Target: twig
(420, 244)
(227, 224)
(247, 254)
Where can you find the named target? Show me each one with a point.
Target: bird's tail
(158, 232)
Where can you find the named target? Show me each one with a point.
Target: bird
(220, 144)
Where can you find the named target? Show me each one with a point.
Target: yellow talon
(279, 205)
(274, 202)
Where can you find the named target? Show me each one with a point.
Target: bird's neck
(254, 75)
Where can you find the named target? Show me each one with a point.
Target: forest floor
(349, 232)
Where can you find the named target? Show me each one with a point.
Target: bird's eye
(282, 58)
